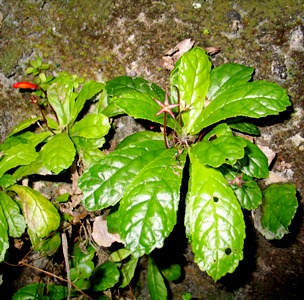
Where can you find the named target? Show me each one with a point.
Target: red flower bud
(25, 85)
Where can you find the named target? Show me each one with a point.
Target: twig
(66, 261)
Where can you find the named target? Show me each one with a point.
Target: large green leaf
(104, 182)
(214, 221)
(4, 242)
(191, 76)
(254, 99)
(15, 220)
(21, 154)
(279, 207)
(88, 91)
(40, 214)
(58, 153)
(148, 208)
(227, 76)
(135, 96)
(156, 283)
(92, 126)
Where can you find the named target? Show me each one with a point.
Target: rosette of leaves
(142, 178)
(47, 144)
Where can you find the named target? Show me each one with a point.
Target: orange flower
(25, 85)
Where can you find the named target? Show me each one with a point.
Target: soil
(104, 39)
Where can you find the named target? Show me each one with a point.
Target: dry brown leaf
(101, 235)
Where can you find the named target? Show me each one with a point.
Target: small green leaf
(135, 96)
(40, 214)
(221, 150)
(92, 126)
(173, 272)
(245, 188)
(87, 92)
(61, 97)
(25, 124)
(191, 75)
(156, 283)
(254, 99)
(63, 198)
(58, 153)
(279, 207)
(80, 256)
(21, 154)
(85, 269)
(120, 254)
(127, 271)
(245, 127)
(226, 77)
(15, 220)
(255, 162)
(105, 276)
(4, 242)
(214, 221)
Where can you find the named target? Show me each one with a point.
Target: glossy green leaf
(25, 124)
(120, 255)
(191, 75)
(61, 98)
(228, 76)
(4, 242)
(135, 96)
(15, 220)
(87, 92)
(156, 283)
(255, 162)
(224, 149)
(105, 276)
(21, 154)
(92, 126)
(35, 138)
(7, 180)
(120, 166)
(254, 99)
(214, 221)
(246, 190)
(245, 127)
(149, 205)
(40, 214)
(58, 153)
(127, 271)
(279, 207)
(172, 273)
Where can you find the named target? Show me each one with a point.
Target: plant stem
(165, 131)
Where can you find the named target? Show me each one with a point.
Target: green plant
(196, 160)
(142, 178)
